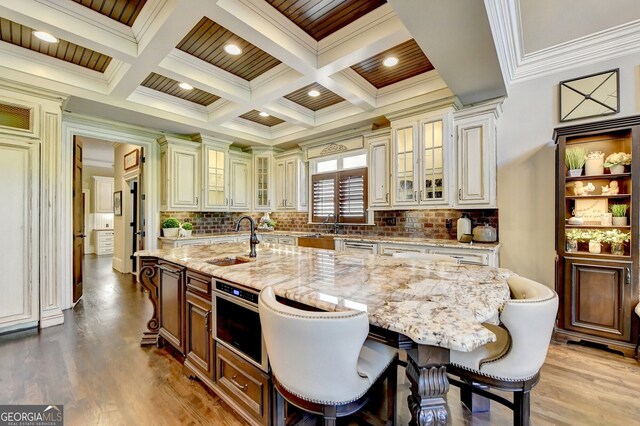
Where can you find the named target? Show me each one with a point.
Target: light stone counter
(433, 304)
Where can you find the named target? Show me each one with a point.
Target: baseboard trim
(18, 327)
(56, 318)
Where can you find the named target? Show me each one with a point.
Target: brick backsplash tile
(409, 223)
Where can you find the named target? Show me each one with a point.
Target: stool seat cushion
(638, 309)
(374, 359)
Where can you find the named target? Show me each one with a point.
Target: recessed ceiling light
(232, 49)
(390, 61)
(45, 36)
(263, 114)
(185, 86)
(314, 93)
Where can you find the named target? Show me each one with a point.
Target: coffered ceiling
(124, 59)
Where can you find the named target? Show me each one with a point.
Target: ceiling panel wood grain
(320, 18)
(411, 62)
(124, 11)
(170, 87)
(21, 35)
(206, 41)
(326, 98)
(255, 116)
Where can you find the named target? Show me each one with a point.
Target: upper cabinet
(421, 149)
(378, 144)
(180, 176)
(216, 175)
(263, 179)
(291, 177)
(476, 156)
(103, 194)
(240, 165)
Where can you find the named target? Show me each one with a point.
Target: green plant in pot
(595, 238)
(619, 213)
(574, 160)
(170, 227)
(186, 229)
(617, 238)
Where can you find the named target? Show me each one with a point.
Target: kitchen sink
(317, 241)
(227, 261)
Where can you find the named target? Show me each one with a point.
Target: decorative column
(427, 373)
(149, 281)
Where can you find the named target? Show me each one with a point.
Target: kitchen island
(439, 307)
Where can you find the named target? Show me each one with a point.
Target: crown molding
(516, 65)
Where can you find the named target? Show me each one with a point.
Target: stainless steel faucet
(253, 241)
(335, 222)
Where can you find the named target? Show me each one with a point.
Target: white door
(474, 163)
(379, 173)
(290, 184)
(185, 178)
(19, 289)
(280, 184)
(240, 193)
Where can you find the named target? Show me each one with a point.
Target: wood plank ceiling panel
(170, 87)
(326, 98)
(255, 116)
(124, 11)
(21, 35)
(207, 40)
(320, 18)
(411, 62)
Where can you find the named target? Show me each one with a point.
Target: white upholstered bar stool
(322, 362)
(428, 257)
(513, 362)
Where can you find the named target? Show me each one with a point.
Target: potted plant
(617, 239)
(574, 160)
(186, 229)
(170, 227)
(594, 163)
(616, 162)
(595, 238)
(573, 236)
(619, 212)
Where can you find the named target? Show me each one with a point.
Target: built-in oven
(237, 322)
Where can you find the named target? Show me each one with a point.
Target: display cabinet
(597, 254)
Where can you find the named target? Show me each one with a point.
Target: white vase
(593, 166)
(619, 221)
(616, 169)
(575, 172)
(594, 247)
(170, 232)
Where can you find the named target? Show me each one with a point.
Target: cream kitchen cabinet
(476, 156)
(215, 165)
(263, 181)
(378, 144)
(180, 175)
(240, 165)
(102, 194)
(104, 241)
(291, 176)
(422, 153)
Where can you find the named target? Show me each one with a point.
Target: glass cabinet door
(216, 182)
(262, 183)
(406, 190)
(433, 163)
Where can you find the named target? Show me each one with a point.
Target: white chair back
(529, 317)
(427, 257)
(314, 355)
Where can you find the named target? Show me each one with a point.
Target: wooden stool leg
(474, 402)
(392, 387)
(521, 408)
(277, 414)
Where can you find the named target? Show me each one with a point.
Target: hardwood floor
(93, 364)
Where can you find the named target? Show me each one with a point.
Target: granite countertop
(438, 304)
(359, 238)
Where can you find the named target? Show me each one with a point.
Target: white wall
(526, 164)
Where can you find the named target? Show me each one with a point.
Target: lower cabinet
(171, 292)
(199, 343)
(246, 385)
(597, 298)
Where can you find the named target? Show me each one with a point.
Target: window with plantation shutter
(340, 196)
(324, 191)
(352, 196)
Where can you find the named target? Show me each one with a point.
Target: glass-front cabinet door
(433, 188)
(263, 182)
(216, 178)
(406, 190)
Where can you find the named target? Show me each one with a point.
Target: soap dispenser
(463, 225)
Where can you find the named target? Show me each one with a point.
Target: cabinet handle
(243, 388)
(232, 201)
(628, 277)
(386, 197)
(415, 195)
(421, 195)
(196, 201)
(207, 321)
(226, 201)
(268, 203)
(460, 194)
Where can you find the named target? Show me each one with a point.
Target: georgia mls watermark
(31, 415)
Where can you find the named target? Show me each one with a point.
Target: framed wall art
(132, 159)
(590, 96)
(117, 203)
